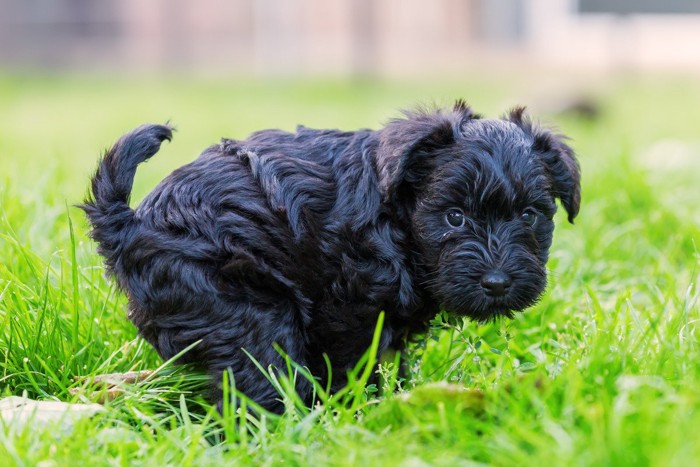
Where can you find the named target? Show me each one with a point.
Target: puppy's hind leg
(250, 337)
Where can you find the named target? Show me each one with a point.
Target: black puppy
(302, 239)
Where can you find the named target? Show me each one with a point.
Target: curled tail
(107, 206)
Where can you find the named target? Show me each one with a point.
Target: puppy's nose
(495, 283)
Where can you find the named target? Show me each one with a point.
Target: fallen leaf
(129, 377)
(110, 384)
(19, 411)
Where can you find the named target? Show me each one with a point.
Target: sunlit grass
(603, 370)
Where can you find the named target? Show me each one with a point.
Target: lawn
(603, 371)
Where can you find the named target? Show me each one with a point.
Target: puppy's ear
(406, 145)
(559, 161)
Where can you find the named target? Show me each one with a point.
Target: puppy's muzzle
(495, 283)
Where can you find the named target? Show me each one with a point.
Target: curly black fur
(302, 239)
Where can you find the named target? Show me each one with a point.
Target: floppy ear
(405, 145)
(559, 161)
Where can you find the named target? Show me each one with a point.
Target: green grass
(603, 371)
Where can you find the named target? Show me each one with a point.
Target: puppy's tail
(107, 205)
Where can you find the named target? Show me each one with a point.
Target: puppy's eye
(529, 217)
(455, 217)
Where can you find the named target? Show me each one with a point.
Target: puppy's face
(482, 201)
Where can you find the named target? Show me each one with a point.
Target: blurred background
(619, 76)
(349, 37)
